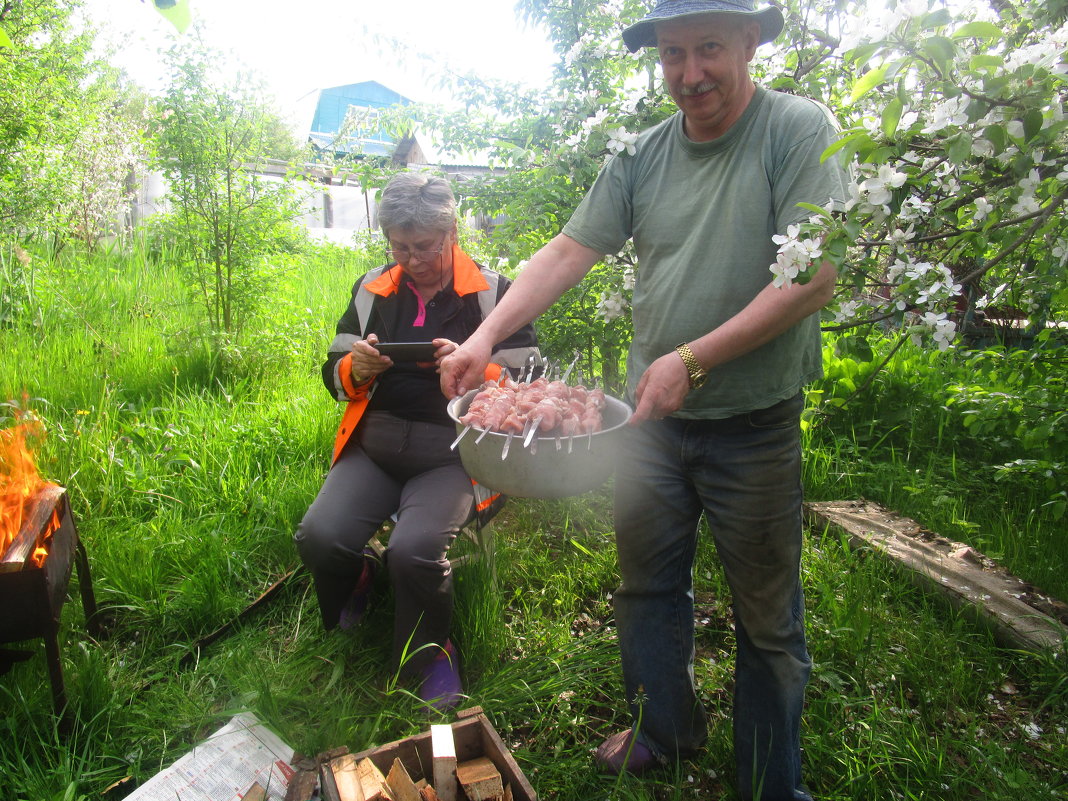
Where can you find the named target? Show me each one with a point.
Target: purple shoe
(621, 752)
(356, 606)
(441, 687)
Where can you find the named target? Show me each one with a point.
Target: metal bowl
(549, 467)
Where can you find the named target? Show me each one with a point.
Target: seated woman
(392, 453)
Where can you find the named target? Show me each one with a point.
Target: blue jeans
(744, 474)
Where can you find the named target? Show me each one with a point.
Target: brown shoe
(621, 752)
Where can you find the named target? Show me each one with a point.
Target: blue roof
(364, 99)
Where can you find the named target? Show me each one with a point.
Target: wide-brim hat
(643, 32)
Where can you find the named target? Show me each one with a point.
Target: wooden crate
(474, 736)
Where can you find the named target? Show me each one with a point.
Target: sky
(304, 46)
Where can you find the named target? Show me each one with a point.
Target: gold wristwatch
(698, 374)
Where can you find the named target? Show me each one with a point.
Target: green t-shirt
(702, 215)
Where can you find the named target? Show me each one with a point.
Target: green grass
(188, 468)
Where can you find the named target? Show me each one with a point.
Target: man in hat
(716, 369)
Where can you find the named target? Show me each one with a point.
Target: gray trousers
(394, 466)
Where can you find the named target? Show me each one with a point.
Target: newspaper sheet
(225, 766)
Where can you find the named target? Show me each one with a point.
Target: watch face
(699, 380)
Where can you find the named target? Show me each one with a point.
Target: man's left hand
(662, 388)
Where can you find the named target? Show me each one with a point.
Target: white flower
(1029, 184)
(982, 208)
(1027, 204)
(628, 279)
(621, 139)
(1032, 730)
(982, 148)
(951, 112)
(899, 238)
(846, 311)
(792, 232)
(795, 255)
(1060, 251)
(785, 271)
(611, 306)
(878, 187)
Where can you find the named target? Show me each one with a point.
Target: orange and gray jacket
(373, 308)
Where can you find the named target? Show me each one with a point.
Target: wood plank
(302, 786)
(1018, 613)
(346, 778)
(372, 781)
(480, 780)
(474, 736)
(37, 513)
(444, 773)
(401, 783)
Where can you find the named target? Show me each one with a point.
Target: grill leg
(55, 668)
(85, 585)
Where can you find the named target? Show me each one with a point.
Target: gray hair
(417, 201)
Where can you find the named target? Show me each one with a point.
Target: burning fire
(19, 483)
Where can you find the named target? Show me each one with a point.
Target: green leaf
(1032, 122)
(859, 55)
(978, 30)
(834, 147)
(959, 148)
(5, 40)
(177, 14)
(985, 61)
(866, 83)
(892, 116)
(822, 212)
(940, 50)
(856, 347)
(936, 19)
(997, 136)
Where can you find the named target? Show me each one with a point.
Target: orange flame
(19, 482)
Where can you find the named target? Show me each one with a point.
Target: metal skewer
(482, 435)
(507, 442)
(463, 433)
(530, 434)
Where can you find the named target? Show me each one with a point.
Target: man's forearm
(770, 313)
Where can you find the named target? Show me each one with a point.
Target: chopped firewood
(444, 750)
(346, 779)
(255, 793)
(401, 783)
(419, 785)
(507, 793)
(34, 524)
(372, 781)
(480, 779)
(302, 785)
(427, 793)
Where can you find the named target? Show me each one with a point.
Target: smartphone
(407, 351)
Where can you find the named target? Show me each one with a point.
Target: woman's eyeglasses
(403, 256)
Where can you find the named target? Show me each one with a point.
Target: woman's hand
(366, 361)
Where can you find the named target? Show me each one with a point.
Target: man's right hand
(465, 368)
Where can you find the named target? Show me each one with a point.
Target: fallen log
(1021, 616)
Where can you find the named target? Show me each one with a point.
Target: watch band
(694, 369)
